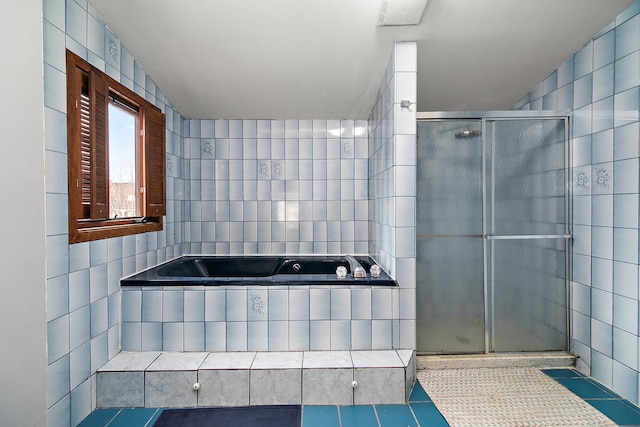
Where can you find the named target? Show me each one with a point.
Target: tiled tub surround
(259, 318)
(189, 379)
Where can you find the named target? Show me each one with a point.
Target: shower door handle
(526, 236)
(448, 236)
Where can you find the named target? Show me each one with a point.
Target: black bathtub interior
(222, 267)
(258, 270)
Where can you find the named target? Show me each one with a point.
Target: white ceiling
(324, 59)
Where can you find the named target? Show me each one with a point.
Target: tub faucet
(356, 269)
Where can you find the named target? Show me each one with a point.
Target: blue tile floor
(619, 410)
(420, 411)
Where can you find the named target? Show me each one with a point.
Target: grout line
(414, 415)
(375, 412)
(151, 417)
(114, 417)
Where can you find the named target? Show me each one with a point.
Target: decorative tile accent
(113, 50)
(278, 170)
(257, 304)
(601, 179)
(264, 170)
(582, 180)
(208, 149)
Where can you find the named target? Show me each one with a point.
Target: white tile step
(190, 379)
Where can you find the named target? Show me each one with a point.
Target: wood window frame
(87, 161)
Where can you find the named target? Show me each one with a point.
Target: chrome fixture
(359, 272)
(375, 270)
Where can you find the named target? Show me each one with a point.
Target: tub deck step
(190, 379)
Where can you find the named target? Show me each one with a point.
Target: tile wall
(245, 318)
(250, 186)
(290, 186)
(83, 295)
(392, 184)
(276, 186)
(600, 85)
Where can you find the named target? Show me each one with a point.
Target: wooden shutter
(78, 141)
(84, 107)
(99, 101)
(154, 157)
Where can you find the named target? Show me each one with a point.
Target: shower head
(466, 134)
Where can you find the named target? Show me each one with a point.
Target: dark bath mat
(262, 416)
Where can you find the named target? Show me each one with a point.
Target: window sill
(87, 231)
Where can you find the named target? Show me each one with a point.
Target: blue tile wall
(289, 186)
(83, 293)
(392, 192)
(249, 318)
(603, 78)
(233, 187)
(277, 186)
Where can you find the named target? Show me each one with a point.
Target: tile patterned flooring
(501, 397)
(420, 411)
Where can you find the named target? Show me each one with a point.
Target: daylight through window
(123, 171)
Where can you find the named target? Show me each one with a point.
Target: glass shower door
(492, 235)
(450, 302)
(526, 233)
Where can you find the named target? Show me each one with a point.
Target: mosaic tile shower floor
(520, 397)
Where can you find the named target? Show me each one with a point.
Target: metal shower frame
(486, 118)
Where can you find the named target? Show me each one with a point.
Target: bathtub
(267, 270)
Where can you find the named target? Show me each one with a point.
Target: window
(124, 127)
(116, 157)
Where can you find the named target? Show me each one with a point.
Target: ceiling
(325, 59)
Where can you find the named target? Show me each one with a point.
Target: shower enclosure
(492, 232)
